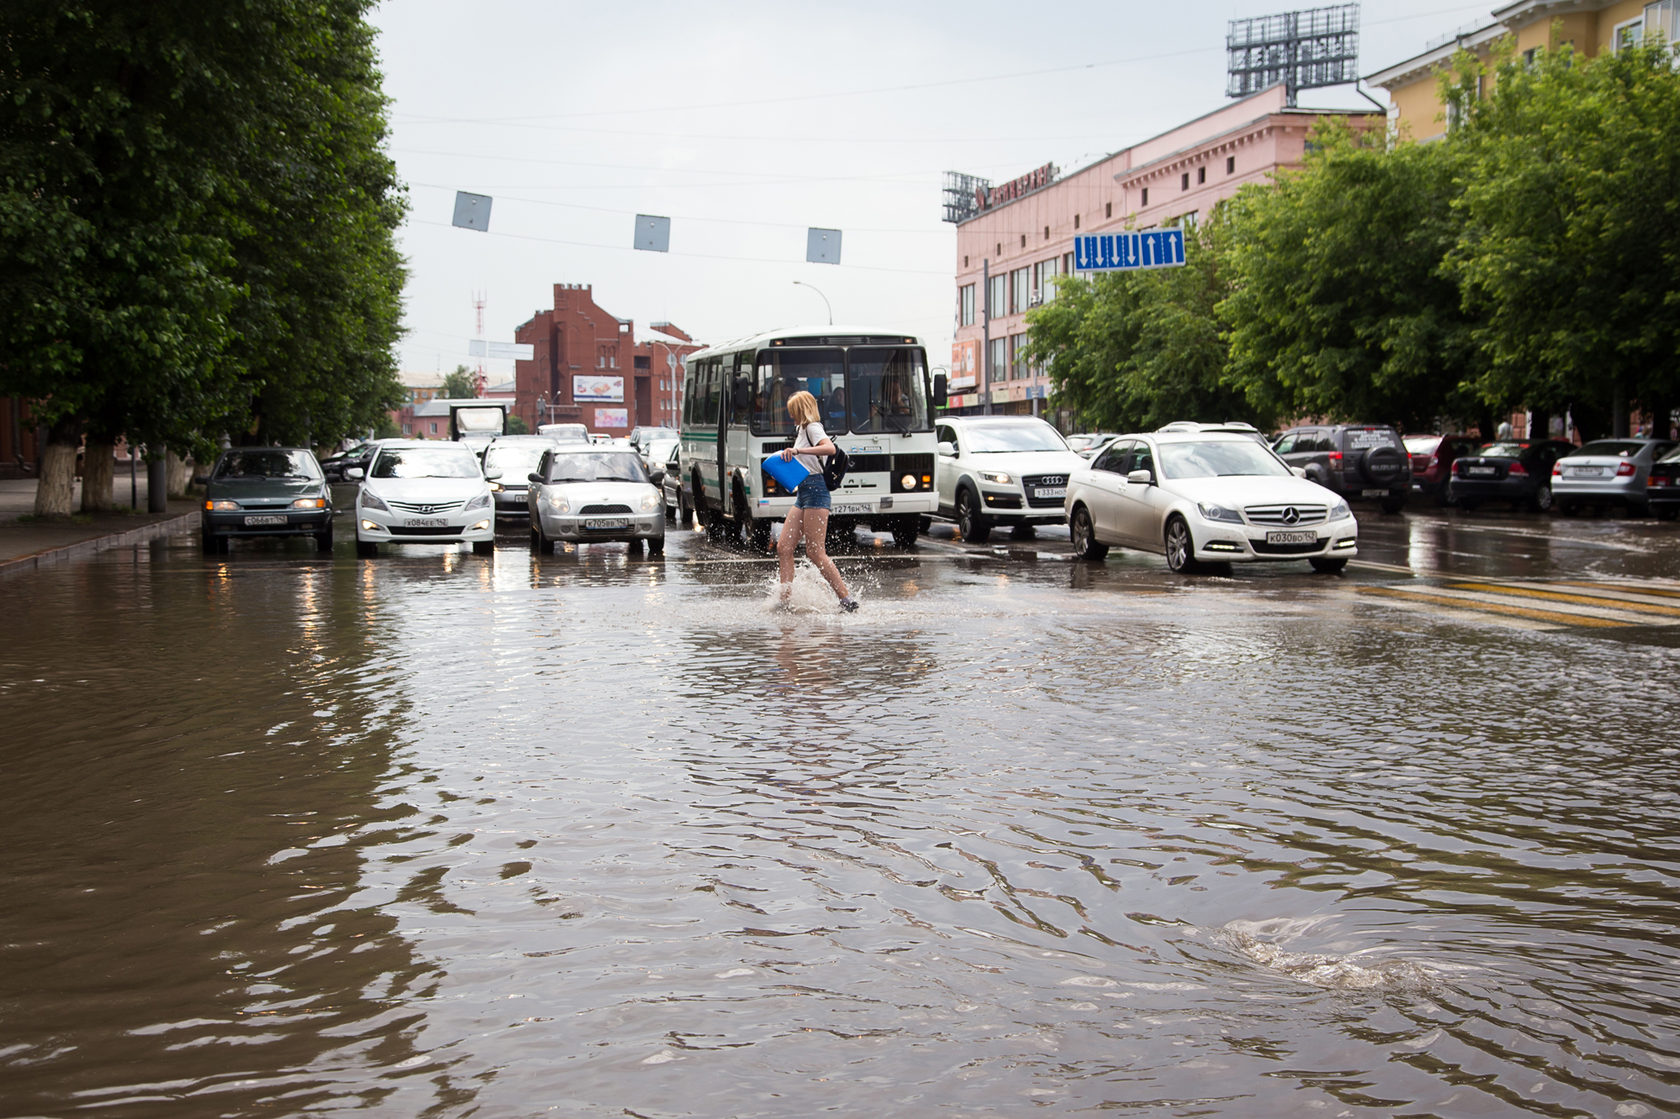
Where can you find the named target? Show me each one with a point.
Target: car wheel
(655, 547)
(1181, 547)
(1448, 497)
(973, 525)
(1570, 508)
(324, 539)
(484, 547)
(208, 542)
(366, 549)
(1469, 504)
(1666, 512)
(1085, 544)
(905, 530)
(1541, 502)
(1393, 504)
(1328, 565)
(670, 514)
(1023, 532)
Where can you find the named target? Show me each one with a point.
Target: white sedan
(420, 491)
(1202, 498)
(592, 493)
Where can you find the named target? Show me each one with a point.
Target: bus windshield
(864, 389)
(886, 389)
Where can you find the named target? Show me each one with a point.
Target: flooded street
(595, 834)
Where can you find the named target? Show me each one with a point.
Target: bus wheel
(904, 531)
(760, 535)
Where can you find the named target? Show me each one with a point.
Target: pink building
(1011, 252)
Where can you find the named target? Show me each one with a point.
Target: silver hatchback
(1607, 472)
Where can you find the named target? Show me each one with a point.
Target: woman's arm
(817, 450)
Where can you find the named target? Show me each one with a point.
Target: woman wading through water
(809, 516)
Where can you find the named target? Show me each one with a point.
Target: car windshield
(1007, 437)
(1421, 444)
(450, 460)
(598, 466)
(1672, 456)
(512, 460)
(1614, 448)
(1502, 450)
(1239, 457)
(267, 462)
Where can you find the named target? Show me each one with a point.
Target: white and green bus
(877, 403)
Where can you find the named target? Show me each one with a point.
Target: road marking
(1460, 601)
(1607, 601)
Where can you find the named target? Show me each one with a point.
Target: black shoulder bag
(835, 467)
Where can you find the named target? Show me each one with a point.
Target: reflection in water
(603, 835)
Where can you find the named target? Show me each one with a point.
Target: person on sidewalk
(811, 502)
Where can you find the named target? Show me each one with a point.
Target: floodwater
(440, 835)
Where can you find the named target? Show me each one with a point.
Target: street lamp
(826, 303)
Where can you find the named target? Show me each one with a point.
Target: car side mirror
(1142, 477)
(492, 475)
(946, 448)
(1298, 471)
(354, 473)
(657, 477)
(534, 478)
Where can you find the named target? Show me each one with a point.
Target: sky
(747, 123)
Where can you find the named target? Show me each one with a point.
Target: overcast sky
(747, 123)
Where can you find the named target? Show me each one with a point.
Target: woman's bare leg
(785, 547)
(816, 550)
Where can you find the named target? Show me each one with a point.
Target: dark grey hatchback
(265, 491)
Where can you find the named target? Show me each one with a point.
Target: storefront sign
(1015, 188)
(965, 365)
(597, 388)
(610, 417)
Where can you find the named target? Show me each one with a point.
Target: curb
(82, 548)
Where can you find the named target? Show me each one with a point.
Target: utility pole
(479, 378)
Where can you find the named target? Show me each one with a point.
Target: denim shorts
(812, 493)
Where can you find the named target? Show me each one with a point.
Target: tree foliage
(1569, 247)
(1339, 304)
(198, 219)
(1135, 350)
(461, 384)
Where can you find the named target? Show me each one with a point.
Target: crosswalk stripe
(1601, 600)
(1487, 605)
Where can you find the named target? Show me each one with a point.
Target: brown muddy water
(439, 835)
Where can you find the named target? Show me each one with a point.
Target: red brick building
(588, 368)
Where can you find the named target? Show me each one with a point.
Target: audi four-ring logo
(1053, 480)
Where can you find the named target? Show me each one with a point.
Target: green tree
(1340, 305)
(462, 384)
(1135, 350)
(199, 220)
(1570, 248)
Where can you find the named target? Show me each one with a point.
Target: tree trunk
(180, 473)
(99, 472)
(56, 487)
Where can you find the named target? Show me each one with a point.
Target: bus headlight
(908, 481)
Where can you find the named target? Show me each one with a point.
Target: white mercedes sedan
(1201, 499)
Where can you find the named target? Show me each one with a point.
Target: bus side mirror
(939, 391)
(743, 395)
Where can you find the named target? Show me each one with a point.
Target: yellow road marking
(1480, 606)
(1652, 592)
(1578, 599)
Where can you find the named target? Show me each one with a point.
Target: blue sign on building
(1156, 248)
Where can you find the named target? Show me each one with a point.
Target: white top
(809, 436)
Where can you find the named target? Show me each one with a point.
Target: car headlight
(310, 503)
(996, 477)
(1339, 510)
(652, 500)
(496, 487)
(221, 505)
(371, 500)
(1212, 512)
(556, 501)
(482, 501)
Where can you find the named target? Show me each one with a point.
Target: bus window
(783, 372)
(887, 389)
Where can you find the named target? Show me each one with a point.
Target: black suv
(1355, 460)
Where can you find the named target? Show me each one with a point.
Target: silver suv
(1001, 470)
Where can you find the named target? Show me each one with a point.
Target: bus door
(735, 451)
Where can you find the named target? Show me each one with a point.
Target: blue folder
(789, 473)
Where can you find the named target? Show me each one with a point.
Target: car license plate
(1480, 471)
(1373, 493)
(600, 524)
(424, 522)
(1281, 537)
(1586, 471)
(266, 520)
(1043, 492)
(853, 507)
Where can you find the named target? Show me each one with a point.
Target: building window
(1145, 196)
(1020, 282)
(1000, 360)
(1662, 16)
(1047, 233)
(1188, 221)
(1627, 34)
(1044, 279)
(1067, 264)
(434, 427)
(1230, 164)
(1184, 181)
(965, 305)
(1076, 221)
(1017, 363)
(1201, 175)
(997, 299)
(999, 249)
(1108, 209)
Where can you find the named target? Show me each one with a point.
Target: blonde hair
(802, 406)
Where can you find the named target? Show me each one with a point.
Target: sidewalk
(26, 544)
